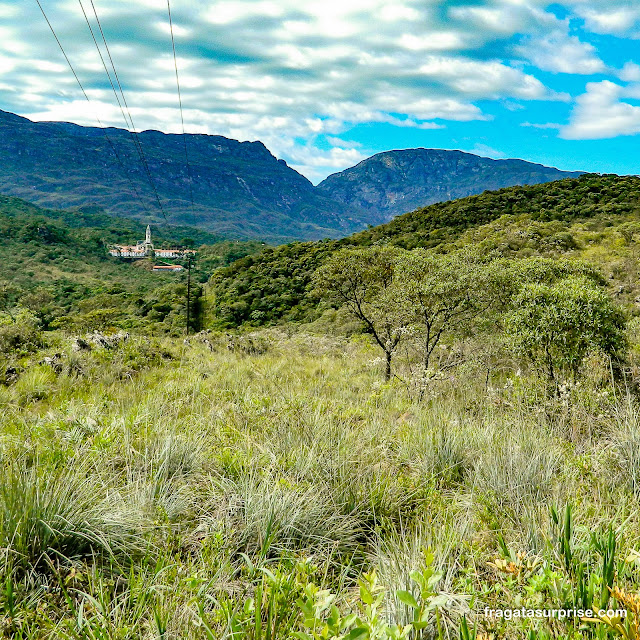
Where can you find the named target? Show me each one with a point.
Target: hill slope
(394, 182)
(239, 188)
(540, 219)
(56, 264)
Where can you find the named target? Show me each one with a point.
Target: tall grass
(48, 514)
(267, 515)
(148, 496)
(624, 446)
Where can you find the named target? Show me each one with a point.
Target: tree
(440, 293)
(360, 279)
(41, 303)
(556, 325)
(9, 294)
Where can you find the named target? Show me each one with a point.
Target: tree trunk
(387, 371)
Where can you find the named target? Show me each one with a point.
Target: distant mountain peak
(240, 189)
(394, 182)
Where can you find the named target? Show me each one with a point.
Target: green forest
(428, 430)
(546, 220)
(59, 274)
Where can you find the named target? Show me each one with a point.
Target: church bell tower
(148, 245)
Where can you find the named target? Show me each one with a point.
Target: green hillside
(457, 433)
(549, 219)
(56, 264)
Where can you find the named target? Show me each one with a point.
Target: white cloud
(506, 17)
(285, 71)
(8, 10)
(601, 113)
(630, 72)
(497, 19)
(561, 53)
(232, 11)
(480, 149)
(343, 144)
(437, 41)
(484, 78)
(178, 31)
(542, 125)
(610, 19)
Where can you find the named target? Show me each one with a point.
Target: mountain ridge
(398, 181)
(240, 189)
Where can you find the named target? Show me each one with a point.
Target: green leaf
(360, 633)
(365, 595)
(407, 598)
(417, 577)
(269, 575)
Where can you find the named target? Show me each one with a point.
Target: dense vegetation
(559, 218)
(239, 488)
(56, 266)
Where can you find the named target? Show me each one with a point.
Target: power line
(136, 139)
(184, 136)
(124, 99)
(101, 126)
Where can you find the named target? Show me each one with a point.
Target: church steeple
(147, 239)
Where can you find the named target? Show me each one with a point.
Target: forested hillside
(55, 264)
(556, 218)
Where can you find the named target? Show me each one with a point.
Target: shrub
(360, 280)
(556, 325)
(19, 333)
(624, 438)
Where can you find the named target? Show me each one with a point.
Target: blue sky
(327, 83)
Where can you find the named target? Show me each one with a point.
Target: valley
(383, 435)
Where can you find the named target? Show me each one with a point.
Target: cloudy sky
(326, 83)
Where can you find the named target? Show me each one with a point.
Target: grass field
(242, 487)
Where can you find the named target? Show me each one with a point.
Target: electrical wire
(100, 124)
(134, 133)
(184, 136)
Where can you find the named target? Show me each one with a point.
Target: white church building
(146, 250)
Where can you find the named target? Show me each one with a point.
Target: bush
(557, 325)
(19, 333)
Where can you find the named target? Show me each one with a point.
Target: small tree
(360, 279)
(556, 325)
(441, 293)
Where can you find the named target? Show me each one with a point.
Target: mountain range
(231, 188)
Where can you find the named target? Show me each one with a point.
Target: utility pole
(188, 292)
